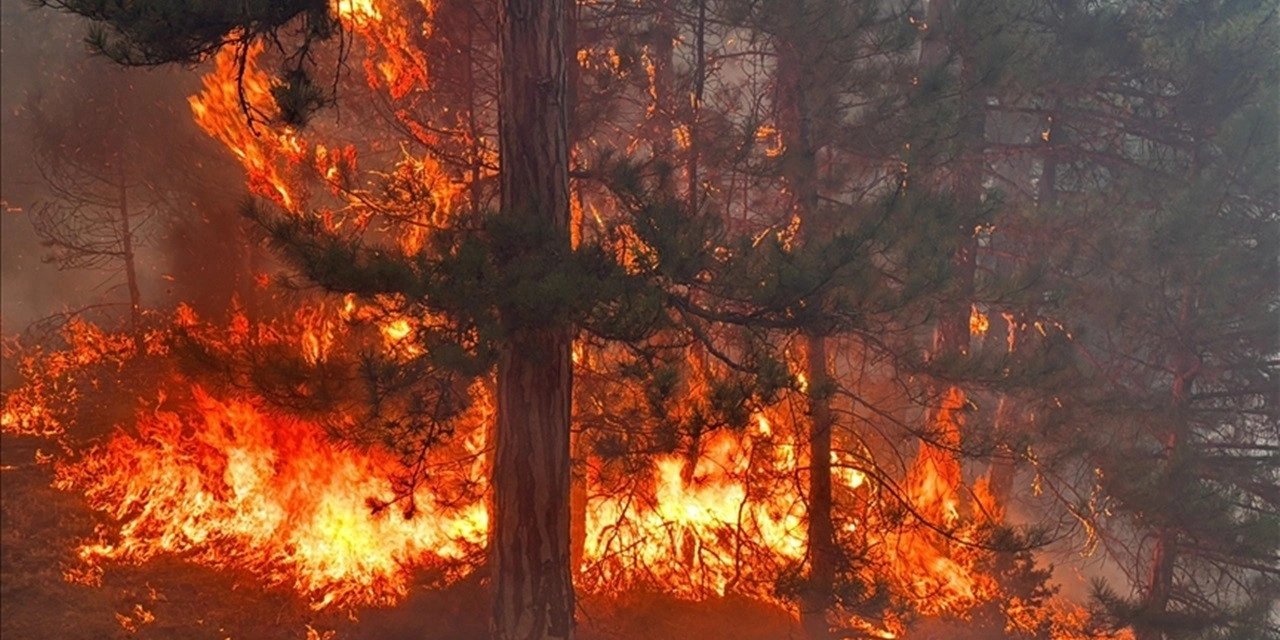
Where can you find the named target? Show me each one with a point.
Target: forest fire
(227, 483)
(241, 489)
(841, 319)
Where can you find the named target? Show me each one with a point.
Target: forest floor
(173, 599)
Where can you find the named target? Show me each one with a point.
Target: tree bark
(821, 531)
(530, 550)
(662, 114)
(578, 451)
(797, 62)
(1008, 425)
(699, 84)
(475, 137)
(940, 502)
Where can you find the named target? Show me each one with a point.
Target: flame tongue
(238, 488)
(695, 532)
(233, 486)
(230, 485)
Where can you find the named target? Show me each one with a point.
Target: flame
(269, 158)
(228, 483)
(684, 535)
(232, 486)
(45, 405)
(934, 480)
(393, 63)
(978, 321)
(317, 335)
(941, 575)
(397, 336)
(770, 134)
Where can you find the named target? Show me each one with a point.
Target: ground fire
(684, 318)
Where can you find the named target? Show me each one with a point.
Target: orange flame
(235, 487)
(232, 486)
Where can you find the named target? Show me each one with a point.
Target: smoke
(197, 246)
(32, 50)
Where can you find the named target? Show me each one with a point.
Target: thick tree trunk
(797, 62)
(1008, 425)
(961, 180)
(577, 505)
(1009, 419)
(954, 333)
(662, 114)
(530, 555)
(951, 336)
(578, 452)
(821, 531)
(475, 150)
(1004, 466)
(533, 587)
(1047, 192)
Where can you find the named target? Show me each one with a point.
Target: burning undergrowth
(337, 450)
(204, 468)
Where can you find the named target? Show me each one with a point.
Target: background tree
(102, 195)
(1185, 332)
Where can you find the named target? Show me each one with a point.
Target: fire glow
(228, 483)
(225, 480)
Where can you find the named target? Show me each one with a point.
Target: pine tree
(1171, 303)
(533, 584)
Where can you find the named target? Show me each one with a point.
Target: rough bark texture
(951, 336)
(960, 179)
(662, 112)
(1004, 466)
(796, 84)
(532, 583)
(577, 451)
(699, 84)
(578, 505)
(1010, 423)
(821, 532)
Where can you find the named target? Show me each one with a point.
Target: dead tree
(95, 216)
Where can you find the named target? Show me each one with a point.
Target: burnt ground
(40, 527)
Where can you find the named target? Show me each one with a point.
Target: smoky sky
(194, 247)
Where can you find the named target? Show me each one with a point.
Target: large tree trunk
(475, 138)
(662, 111)
(797, 60)
(1009, 419)
(578, 451)
(822, 542)
(530, 557)
(952, 334)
